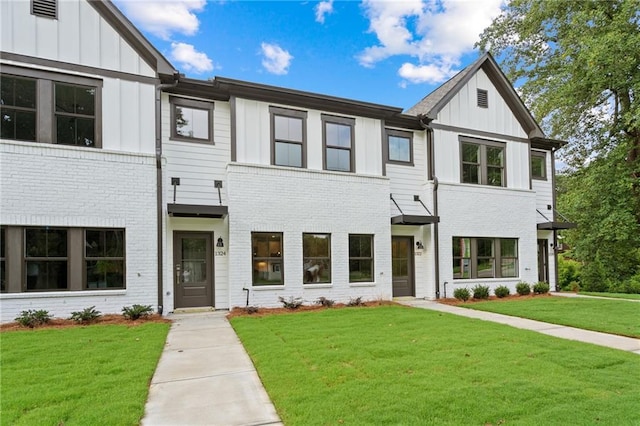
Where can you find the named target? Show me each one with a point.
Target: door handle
(178, 274)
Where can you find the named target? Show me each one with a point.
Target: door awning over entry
(554, 225)
(196, 210)
(413, 219)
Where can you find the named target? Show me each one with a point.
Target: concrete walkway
(205, 377)
(588, 296)
(602, 339)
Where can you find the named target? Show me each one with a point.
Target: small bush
(32, 318)
(86, 315)
(251, 310)
(501, 291)
(462, 293)
(292, 303)
(135, 312)
(355, 301)
(523, 288)
(323, 301)
(481, 292)
(541, 287)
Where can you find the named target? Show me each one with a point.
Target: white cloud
(435, 32)
(322, 9)
(190, 59)
(275, 59)
(164, 17)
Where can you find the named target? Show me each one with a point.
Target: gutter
(159, 205)
(434, 178)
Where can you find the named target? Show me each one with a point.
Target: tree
(578, 64)
(578, 67)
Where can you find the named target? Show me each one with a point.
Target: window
(191, 120)
(61, 259)
(399, 147)
(485, 257)
(46, 259)
(338, 141)
(18, 108)
(267, 258)
(360, 258)
(288, 137)
(538, 165)
(483, 98)
(47, 107)
(104, 258)
(3, 265)
(75, 115)
(316, 262)
(482, 163)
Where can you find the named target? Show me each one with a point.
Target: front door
(543, 261)
(193, 269)
(402, 266)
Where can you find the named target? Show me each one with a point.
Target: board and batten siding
(197, 165)
(253, 137)
(544, 191)
(79, 36)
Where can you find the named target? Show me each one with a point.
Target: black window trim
(543, 156)
(329, 258)
(401, 134)
(193, 104)
(346, 121)
(289, 113)
(86, 258)
(45, 101)
(281, 257)
(497, 257)
(483, 143)
(372, 257)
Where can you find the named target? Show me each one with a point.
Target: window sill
(267, 287)
(369, 284)
(320, 285)
(66, 293)
(474, 280)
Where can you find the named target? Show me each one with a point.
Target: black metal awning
(408, 219)
(196, 210)
(554, 226)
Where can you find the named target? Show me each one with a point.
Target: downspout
(432, 176)
(159, 206)
(553, 218)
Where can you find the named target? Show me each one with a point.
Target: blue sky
(387, 52)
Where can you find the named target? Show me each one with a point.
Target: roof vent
(45, 8)
(483, 98)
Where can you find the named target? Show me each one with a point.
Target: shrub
(136, 311)
(292, 303)
(32, 318)
(462, 293)
(355, 301)
(86, 315)
(251, 310)
(523, 288)
(481, 292)
(541, 287)
(323, 301)
(568, 272)
(501, 291)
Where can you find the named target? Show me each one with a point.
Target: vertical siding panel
(111, 114)
(128, 57)
(146, 111)
(46, 39)
(6, 35)
(90, 40)
(25, 34)
(314, 141)
(109, 47)
(69, 32)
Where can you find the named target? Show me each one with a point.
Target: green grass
(608, 316)
(400, 365)
(612, 295)
(78, 376)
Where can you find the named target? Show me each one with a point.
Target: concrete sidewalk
(205, 377)
(602, 339)
(588, 296)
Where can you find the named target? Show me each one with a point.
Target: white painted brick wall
(51, 185)
(292, 201)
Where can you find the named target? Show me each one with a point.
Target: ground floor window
(316, 262)
(484, 257)
(56, 258)
(267, 257)
(361, 265)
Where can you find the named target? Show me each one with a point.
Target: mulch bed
(112, 319)
(261, 312)
(453, 301)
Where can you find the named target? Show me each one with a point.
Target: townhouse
(124, 182)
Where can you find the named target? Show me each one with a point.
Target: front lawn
(93, 375)
(400, 365)
(612, 295)
(609, 316)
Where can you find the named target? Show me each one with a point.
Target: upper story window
(538, 165)
(288, 137)
(191, 120)
(47, 107)
(482, 162)
(399, 147)
(338, 140)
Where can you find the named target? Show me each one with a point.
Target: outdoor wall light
(220, 242)
(419, 245)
